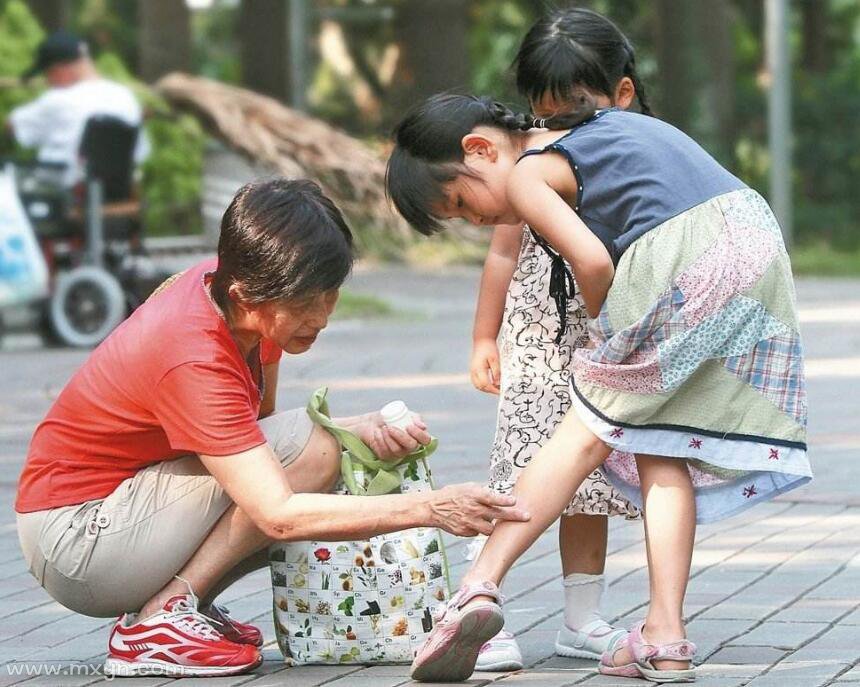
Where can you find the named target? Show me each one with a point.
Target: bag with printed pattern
(363, 602)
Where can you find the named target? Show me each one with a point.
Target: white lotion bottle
(396, 414)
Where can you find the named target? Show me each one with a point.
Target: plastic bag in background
(23, 272)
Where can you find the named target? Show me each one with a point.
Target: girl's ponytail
(506, 118)
(583, 109)
(630, 71)
(580, 107)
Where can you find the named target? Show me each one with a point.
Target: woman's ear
(478, 145)
(625, 91)
(234, 293)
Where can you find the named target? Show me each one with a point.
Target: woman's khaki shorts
(108, 556)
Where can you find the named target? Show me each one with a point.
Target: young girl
(532, 374)
(696, 365)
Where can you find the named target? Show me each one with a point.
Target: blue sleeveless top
(634, 172)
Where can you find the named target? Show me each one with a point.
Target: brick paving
(775, 593)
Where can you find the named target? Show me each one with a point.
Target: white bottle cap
(396, 414)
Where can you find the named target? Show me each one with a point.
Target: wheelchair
(90, 236)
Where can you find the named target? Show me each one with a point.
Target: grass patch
(823, 260)
(441, 251)
(352, 305)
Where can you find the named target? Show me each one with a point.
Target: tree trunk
(815, 57)
(165, 38)
(434, 55)
(264, 35)
(674, 61)
(52, 14)
(715, 27)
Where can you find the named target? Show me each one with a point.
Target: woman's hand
(470, 509)
(484, 366)
(387, 442)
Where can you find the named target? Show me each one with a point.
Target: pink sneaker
(451, 650)
(500, 654)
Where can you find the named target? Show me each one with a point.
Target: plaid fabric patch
(774, 367)
(601, 329)
(650, 330)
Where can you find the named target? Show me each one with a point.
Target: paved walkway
(775, 594)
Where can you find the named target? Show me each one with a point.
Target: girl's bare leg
(670, 528)
(582, 540)
(543, 489)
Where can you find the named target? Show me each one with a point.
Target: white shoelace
(186, 617)
(189, 618)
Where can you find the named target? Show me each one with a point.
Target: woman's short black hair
(281, 239)
(572, 48)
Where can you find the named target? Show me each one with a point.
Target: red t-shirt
(167, 382)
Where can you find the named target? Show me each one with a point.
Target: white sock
(582, 597)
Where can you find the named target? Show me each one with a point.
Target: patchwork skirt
(696, 355)
(535, 384)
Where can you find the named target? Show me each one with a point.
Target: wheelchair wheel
(87, 304)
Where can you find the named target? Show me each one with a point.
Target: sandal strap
(682, 650)
(469, 591)
(608, 656)
(644, 653)
(465, 594)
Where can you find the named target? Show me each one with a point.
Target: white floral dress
(535, 384)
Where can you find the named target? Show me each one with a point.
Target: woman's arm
(499, 267)
(539, 190)
(257, 483)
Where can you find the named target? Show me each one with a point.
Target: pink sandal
(451, 650)
(644, 655)
(607, 664)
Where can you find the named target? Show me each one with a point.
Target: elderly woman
(161, 473)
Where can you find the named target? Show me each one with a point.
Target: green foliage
(215, 50)
(20, 35)
(109, 26)
(820, 258)
(172, 173)
(497, 29)
(827, 156)
(352, 305)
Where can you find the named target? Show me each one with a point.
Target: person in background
(54, 122)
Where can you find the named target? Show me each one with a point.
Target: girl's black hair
(428, 151)
(573, 48)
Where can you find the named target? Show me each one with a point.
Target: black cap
(59, 47)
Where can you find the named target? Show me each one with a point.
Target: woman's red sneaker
(232, 629)
(178, 641)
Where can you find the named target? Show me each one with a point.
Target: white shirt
(54, 122)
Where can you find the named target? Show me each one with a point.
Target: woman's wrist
(353, 422)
